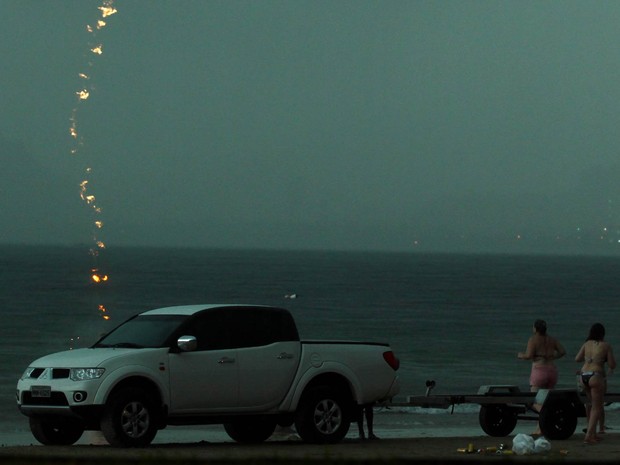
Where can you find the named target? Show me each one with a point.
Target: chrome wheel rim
(327, 416)
(135, 419)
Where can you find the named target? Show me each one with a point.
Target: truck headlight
(27, 373)
(84, 374)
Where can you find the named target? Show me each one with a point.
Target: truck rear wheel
(129, 419)
(251, 430)
(323, 416)
(56, 431)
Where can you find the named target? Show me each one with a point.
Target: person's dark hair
(541, 327)
(597, 332)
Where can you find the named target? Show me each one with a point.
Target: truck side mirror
(187, 343)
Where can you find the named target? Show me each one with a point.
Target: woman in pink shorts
(543, 377)
(542, 350)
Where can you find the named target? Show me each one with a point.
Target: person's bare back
(544, 349)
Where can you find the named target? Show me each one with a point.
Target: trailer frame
(501, 406)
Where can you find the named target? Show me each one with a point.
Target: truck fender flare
(334, 368)
(120, 374)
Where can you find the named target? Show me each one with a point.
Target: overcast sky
(370, 125)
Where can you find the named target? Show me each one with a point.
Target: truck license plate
(41, 391)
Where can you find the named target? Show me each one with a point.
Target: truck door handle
(284, 355)
(226, 360)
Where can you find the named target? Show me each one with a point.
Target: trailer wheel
(558, 419)
(497, 420)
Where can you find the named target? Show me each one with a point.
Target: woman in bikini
(542, 350)
(594, 353)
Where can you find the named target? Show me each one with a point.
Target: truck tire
(497, 420)
(251, 430)
(129, 418)
(558, 419)
(56, 431)
(323, 416)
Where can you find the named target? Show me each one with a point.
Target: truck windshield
(143, 331)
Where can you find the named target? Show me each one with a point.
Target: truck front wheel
(129, 419)
(56, 431)
(323, 416)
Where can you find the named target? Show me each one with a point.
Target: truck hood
(86, 358)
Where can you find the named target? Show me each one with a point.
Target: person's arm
(529, 351)
(611, 360)
(560, 351)
(581, 355)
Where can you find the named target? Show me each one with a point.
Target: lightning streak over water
(82, 95)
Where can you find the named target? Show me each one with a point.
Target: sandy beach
(281, 450)
(405, 438)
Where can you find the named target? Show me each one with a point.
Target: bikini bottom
(586, 375)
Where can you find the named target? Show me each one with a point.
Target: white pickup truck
(242, 366)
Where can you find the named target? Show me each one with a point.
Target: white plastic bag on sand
(523, 444)
(541, 445)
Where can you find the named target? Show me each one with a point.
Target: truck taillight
(391, 360)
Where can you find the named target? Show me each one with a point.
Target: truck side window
(260, 326)
(238, 327)
(211, 329)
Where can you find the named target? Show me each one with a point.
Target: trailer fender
(559, 412)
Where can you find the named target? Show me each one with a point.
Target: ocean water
(457, 319)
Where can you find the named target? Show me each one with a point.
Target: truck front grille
(60, 373)
(54, 373)
(56, 399)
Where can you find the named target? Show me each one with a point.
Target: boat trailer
(501, 406)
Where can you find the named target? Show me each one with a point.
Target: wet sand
(412, 450)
